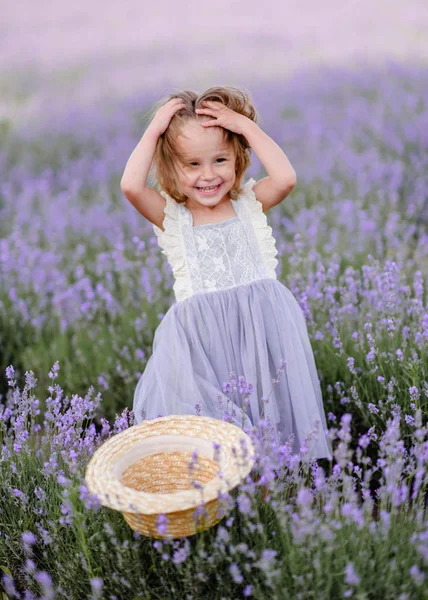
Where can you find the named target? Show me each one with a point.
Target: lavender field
(83, 287)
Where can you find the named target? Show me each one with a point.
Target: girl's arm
(133, 184)
(281, 178)
(138, 165)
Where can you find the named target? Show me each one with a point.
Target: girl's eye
(195, 163)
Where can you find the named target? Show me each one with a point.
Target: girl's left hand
(224, 116)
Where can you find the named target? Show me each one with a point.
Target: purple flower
(304, 497)
(162, 524)
(181, 554)
(122, 421)
(236, 573)
(9, 586)
(30, 566)
(370, 356)
(67, 512)
(45, 582)
(97, 586)
(28, 538)
(351, 577)
(346, 419)
(20, 495)
(417, 576)
(53, 374)
(244, 503)
(351, 367)
(364, 440)
(227, 387)
(91, 501)
(414, 393)
(10, 372)
(267, 559)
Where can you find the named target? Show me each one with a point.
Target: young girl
(231, 312)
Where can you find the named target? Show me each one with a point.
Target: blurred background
(59, 55)
(342, 86)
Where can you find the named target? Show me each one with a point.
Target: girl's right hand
(164, 114)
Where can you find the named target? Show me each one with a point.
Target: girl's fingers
(213, 107)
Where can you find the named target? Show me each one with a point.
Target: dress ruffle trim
(172, 243)
(262, 229)
(173, 247)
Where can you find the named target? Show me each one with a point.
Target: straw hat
(144, 472)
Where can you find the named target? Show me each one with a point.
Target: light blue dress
(231, 315)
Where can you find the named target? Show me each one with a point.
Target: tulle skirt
(246, 330)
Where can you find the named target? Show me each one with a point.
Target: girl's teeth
(208, 189)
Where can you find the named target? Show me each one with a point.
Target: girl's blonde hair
(163, 166)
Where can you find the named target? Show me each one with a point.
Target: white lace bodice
(216, 256)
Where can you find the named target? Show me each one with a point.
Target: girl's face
(205, 161)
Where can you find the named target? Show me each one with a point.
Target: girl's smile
(210, 191)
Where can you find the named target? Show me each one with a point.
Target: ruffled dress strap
(262, 229)
(171, 241)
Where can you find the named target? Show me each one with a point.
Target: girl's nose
(208, 173)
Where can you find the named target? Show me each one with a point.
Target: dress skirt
(247, 329)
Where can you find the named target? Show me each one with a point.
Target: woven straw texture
(144, 471)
